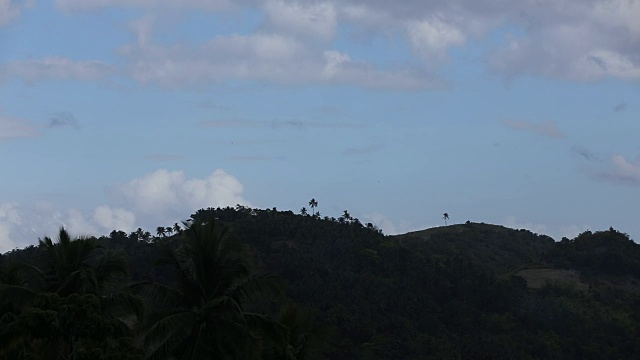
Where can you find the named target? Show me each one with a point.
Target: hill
(468, 291)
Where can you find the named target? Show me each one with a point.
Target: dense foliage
(212, 289)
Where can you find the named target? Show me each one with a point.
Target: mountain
(466, 291)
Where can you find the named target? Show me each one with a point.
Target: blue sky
(123, 114)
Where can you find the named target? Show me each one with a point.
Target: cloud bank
(159, 198)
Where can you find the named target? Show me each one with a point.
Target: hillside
(468, 291)
(494, 247)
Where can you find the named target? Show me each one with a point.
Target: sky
(119, 114)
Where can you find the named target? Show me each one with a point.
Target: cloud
(10, 10)
(431, 38)
(585, 153)
(63, 119)
(114, 218)
(546, 128)
(12, 128)
(55, 68)
(166, 196)
(620, 107)
(276, 54)
(363, 150)
(622, 171)
(22, 225)
(316, 20)
(382, 222)
(161, 197)
(568, 39)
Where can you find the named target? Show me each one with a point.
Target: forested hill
(467, 291)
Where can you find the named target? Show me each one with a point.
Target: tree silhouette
(346, 217)
(303, 211)
(160, 230)
(313, 204)
(205, 316)
(168, 230)
(72, 303)
(445, 216)
(176, 228)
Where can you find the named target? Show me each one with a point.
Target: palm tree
(313, 204)
(160, 230)
(205, 316)
(176, 228)
(168, 230)
(76, 274)
(445, 216)
(298, 337)
(303, 211)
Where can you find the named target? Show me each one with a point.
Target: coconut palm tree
(176, 228)
(445, 216)
(303, 211)
(77, 275)
(313, 204)
(298, 337)
(160, 230)
(205, 315)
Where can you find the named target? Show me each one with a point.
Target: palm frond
(122, 304)
(16, 296)
(158, 292)
(171, 325)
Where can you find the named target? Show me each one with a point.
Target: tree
(345, 216)
(71, 303)
(313, 204)
(168, 230)
(303, 211)
(205, 315)
(160, 230)
(298, 338)
(445, 216)
(176, 228)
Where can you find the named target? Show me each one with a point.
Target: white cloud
(382, 222)
(318, 20)
(277, 58)
(623, 171)
(167, 196)
(389, 227)
(10, 10)
(114, 218)
(545, 128)
(624, 13)
(431, 38)
(55, 68)
(12, 128)
(159, 198)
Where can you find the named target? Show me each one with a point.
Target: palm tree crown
(313, 204)
(205, 314)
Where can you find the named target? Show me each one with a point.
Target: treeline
(331, 288)
(75, 299)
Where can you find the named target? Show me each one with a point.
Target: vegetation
(242, 283)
